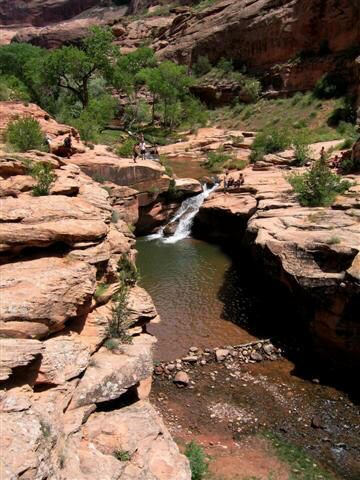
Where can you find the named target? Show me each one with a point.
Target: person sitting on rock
(68, 145)
(335, 161)
(241, 179)
(75, 134)
(230, 182)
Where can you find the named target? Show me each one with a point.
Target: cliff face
(314, 252)
(288, 43)
(41, 12)
(72, 405)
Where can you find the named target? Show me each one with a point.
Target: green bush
(252, 88)
(237, 165)
(271, 140)
(198, 461)
(319, 186)
(127, 272)
(111, 344)
(43, 173)
(330, 86)
(202, 66)
(215, 161)
(302, 153)
(25, 134)
(225, 65)
(126, 149)
(119, 322)
(122, 455)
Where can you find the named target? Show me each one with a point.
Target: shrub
(302, 153)
(43, 173)
(198, 461)
(330, 86)
(297, 98)
(126, 149)
(216, 160)
(111, 344)
(172, 195)
(25, 134)
(169, 171)
(252, 88)
(269, 141)
(119, 314)
(225, 65)
(333, 241)
(237, 165)
(202, 66)
(127, 272)
(122, 455)
(101, 289)
(319, 186)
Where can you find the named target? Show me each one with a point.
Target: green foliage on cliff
(319, 186)
(25, 134)
(44, 175)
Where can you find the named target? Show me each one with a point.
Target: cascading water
(185, 217)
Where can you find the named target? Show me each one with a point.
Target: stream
(206, 299)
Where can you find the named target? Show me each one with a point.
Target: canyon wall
(74, 396)
(314, 252)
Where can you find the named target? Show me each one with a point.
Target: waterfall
(185, 215)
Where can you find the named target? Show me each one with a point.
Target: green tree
(127, 78)
(71, 68)
(168, 84)
(319, 186)
(95, 117)
(25, 134)
(14, 61)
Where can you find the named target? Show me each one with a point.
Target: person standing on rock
(48, 143)
(142, 147)
(136, 151)
(322, 153)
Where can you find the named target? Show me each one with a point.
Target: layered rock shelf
(313, 251)
(73, 405)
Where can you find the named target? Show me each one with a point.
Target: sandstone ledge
(313, 251)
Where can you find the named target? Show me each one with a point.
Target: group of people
(337, 160)
(230, 182)
(65, 149)
(140, 149)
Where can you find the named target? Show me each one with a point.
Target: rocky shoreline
(231, 356)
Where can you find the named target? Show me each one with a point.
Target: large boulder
(112, 374)
(40, 296)
(41, 221)
(17, 352)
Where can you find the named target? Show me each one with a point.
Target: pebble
(181, 379)
(221, 354)
(190, 359)
(256, 356)
(193, 349)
